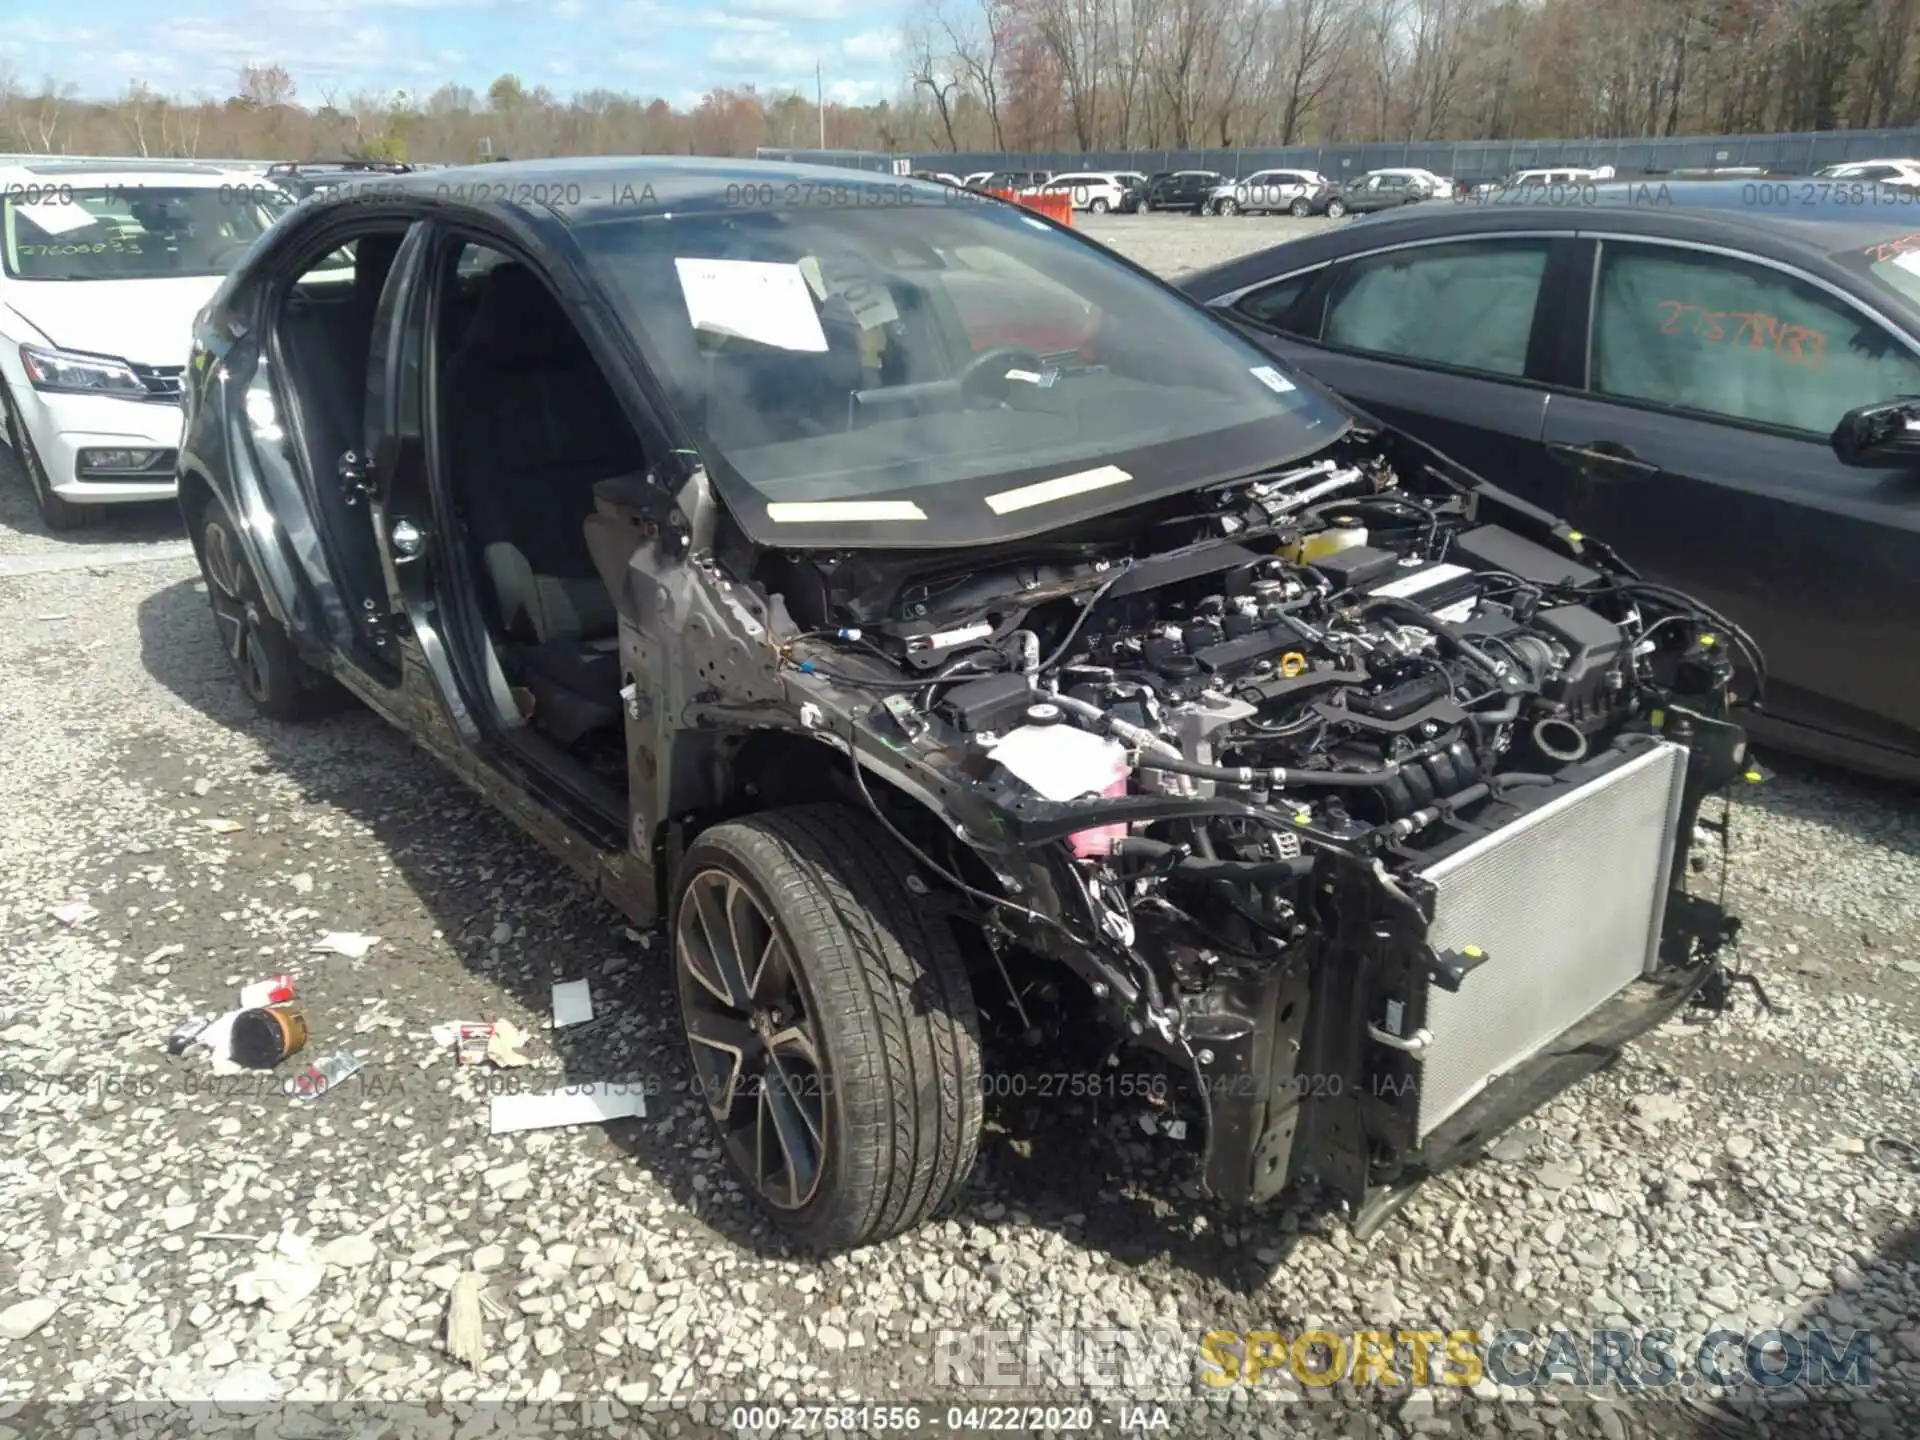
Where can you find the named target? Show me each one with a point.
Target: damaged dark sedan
(954, 636)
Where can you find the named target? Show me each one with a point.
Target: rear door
(1439, 339)
(1700, 451)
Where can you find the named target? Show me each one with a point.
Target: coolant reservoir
(1064, 762)
(1341, 535)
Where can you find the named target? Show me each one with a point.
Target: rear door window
(1466, 305)
(1729, 338)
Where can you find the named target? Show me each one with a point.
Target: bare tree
(935, 75)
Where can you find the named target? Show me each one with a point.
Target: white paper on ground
(577, 1105)
(753, 299)
(346, 942)
(572, 1004)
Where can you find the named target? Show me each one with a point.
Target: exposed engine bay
(1360, 792)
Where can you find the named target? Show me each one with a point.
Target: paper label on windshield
(1908, 260)
(869, 299)
(755, 300)
(1272, 379)
(56, 217)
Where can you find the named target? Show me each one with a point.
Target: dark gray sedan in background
(1678, 367)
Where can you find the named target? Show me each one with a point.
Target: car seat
(534, 425)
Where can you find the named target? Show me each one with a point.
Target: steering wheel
(983, 380)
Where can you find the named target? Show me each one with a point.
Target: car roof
(1703, 211)
(187, 174)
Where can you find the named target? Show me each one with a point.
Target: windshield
(934, 355)
(133, 232)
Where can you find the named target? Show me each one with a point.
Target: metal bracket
(1416, 1044)
(1450, 967)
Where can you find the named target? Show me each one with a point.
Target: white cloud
(801, 12)
(569, 9)
(757, 52)
(859, 92)
(871, 47)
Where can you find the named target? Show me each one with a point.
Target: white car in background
(1098, 191)
(1439, 187)
(1299, 192)
(103, 266)
(1887, 172)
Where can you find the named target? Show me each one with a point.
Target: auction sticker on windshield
(1272, 379)
(1058, 488)
(55, 217)
(754, 300)
(799, 512)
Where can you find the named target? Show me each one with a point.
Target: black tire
(56, 513)
(270, 670)
(1301, 208)
(1146, 207)
(880, 996)
(1098, 205)
(1228, 206)
(1335, 209)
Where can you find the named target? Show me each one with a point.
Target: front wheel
(1335, 209)
(56, 512)
(830, 1023)
(1229, 206)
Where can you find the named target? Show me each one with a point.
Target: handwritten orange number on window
(1795, 344)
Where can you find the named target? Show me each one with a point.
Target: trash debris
(325, 1073)
(165, 952)
(503, 1045)
(466, 1327)
(187, 1033)
(223, 826)
(218, 1039)
(75, 912)
(470, 1041)
(473, 1041)
(264, 1036)
(572, 1004)
(1174, 1129)
(280, 1284)
(576, 1105)
(347, 943)
(274, 990)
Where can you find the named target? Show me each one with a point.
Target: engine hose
(1144, 740)
(1500, 674)
(1249, 776)
(1199, 867)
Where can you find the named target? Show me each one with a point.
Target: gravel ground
(176, 1235)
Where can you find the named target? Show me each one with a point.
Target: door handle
(1609, 459)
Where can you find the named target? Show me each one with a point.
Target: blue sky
(677, 49)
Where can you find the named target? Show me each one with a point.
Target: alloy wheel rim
(756, 1052)
(234, 612)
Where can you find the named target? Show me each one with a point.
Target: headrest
(517, 322)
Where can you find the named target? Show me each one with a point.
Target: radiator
(1567, 903)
